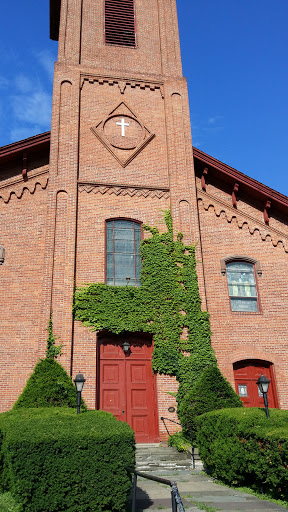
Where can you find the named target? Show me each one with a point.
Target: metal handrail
(176, 501)
(191, 437)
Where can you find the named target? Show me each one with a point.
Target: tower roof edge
(55, 6)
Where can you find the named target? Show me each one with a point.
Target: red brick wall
(224, 232)
(23, 209)
(81, 39)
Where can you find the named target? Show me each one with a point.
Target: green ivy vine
(166, 305)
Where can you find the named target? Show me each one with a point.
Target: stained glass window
(123, 260)
(242, 286)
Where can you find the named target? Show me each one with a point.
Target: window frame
(136, 221)
(257, 272)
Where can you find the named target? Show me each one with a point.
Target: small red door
(246, 374)
(127, 384)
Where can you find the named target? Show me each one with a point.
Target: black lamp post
(263, 385)
(2, 255)
(79, 383)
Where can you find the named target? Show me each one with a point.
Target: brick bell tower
(120, 148)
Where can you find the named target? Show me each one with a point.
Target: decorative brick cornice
(16, 186)
(122, 190)
(242, 218)
(123, 83)
(19, 178)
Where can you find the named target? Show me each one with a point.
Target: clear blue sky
(235, 59)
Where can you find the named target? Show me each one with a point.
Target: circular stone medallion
(123, 132)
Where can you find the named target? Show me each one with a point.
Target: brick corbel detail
(123, 84)
(267, 206)
(203, 178)
(234, 192)
(24, 165)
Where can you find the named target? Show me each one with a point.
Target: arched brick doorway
(126, 384)
(246, 374)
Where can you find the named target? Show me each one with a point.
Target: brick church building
(72, 203)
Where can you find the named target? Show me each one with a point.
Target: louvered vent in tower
(120, 22)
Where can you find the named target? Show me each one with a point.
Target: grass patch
(261, 496)
(248, 490)
(201, 506)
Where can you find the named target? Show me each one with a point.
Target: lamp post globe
(79, 383)
(263, 386)
(126, 347)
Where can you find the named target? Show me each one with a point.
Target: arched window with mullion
(242, 286)
(123, 261)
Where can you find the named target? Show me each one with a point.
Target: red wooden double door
(127, 386)
(246, 374)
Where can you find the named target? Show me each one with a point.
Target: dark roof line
(238, 176)
(25, 144)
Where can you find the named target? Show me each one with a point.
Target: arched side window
(242, 284)
(123, 261)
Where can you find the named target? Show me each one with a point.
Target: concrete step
(166, 454)
(153, 458)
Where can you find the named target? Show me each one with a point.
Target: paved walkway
(197, 488)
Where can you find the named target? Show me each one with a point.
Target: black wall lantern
(263, 385)
(2, 255)
(126, 347)
(79, 383)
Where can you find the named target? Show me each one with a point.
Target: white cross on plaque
(122, 124)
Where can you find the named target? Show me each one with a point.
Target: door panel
(140, 390)
(113, 380)
(111, 351)
(246, 374)
(127, 384)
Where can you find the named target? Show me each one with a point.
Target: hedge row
(242, 447)
(54, 460)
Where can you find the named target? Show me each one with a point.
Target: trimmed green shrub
(211, 392)
(57, 461)
(242, 447)
(48, 386)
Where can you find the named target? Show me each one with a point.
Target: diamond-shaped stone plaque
(123, 134)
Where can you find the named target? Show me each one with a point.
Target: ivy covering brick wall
(166, 305)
